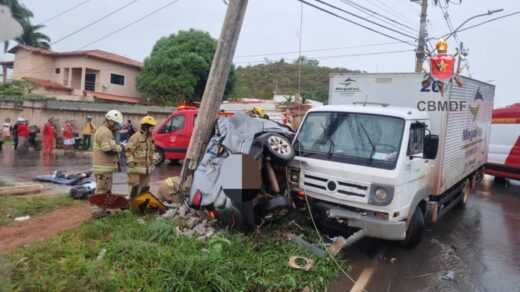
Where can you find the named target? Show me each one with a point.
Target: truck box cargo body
(388, 152)
(461, 118)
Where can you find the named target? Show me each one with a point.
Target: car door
(178, 137)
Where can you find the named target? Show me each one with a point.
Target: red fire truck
(504, 146)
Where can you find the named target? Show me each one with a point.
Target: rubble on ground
(194, 223)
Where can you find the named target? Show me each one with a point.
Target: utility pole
(420, 54)
(214, 91)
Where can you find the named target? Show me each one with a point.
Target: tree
(32, 37)
(178, 68)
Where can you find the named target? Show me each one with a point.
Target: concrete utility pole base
(214, 90)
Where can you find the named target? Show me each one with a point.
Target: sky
(272, 27)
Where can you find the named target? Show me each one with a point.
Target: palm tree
(32, 37)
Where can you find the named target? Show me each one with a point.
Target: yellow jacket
(140, 153)
(105, 155)
(89, 128)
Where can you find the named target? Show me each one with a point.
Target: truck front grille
(343, 187)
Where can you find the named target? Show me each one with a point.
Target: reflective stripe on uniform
(169, 182)
(137, 169)
(99, 168)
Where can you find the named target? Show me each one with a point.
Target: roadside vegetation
(119, 254)
(16, 206)
(4, 184)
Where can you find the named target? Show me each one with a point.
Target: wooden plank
(363, 279)
(19, 190)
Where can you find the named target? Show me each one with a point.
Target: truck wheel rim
(279, 145)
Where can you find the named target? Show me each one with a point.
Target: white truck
(389, 153)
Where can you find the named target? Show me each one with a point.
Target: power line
(408, 5)
(391, 11)
(95, 21)
(353, 22)
(338, 56)
(64, 12)
(130, 24)
(362, 18)
(319, 50)
(448, 21)
(372, 13)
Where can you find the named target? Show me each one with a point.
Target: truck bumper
(372, 227)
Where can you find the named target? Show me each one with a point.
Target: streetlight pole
(446, 37)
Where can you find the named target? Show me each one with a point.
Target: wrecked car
(241, 179)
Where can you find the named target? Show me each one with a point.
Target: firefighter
(105, 156)
(259, 111)
(169, 191)
(140, 157)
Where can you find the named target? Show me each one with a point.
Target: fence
(38, 112)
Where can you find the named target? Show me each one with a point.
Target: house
(78, 75)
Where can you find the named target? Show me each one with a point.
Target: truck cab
(366, 166)
(172, 137)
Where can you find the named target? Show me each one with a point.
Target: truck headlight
(294, 175)
(381, 195)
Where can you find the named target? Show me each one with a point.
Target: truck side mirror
(431, 145)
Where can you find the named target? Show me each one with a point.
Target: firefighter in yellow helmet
(140, 157)
(105, 154)
(259, 111)
(169, 191)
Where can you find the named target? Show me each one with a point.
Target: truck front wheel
(415, 229)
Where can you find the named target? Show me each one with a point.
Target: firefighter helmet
(148, 120)
(114, 115)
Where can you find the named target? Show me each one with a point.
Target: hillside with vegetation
(264, 80)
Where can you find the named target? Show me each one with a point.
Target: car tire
(159, 156)
(415, 229)
(465, 195)
(279, 149)
(275, 208)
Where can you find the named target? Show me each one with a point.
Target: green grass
(4, 184)
(15, 206)
(153, 257)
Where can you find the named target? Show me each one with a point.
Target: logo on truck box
(347, 87)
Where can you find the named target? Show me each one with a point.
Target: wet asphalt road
(480, 245)
(25, 167)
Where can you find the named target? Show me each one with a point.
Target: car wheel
(158, 156)
(279, 149)
(465, 195)
(274, 208)
(415, 229)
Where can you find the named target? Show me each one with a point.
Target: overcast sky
(272, 26)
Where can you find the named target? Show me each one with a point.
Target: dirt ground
(41, 226)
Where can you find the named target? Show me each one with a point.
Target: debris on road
(83, 191)
(194, 223)
(301, 263)
(22, 218)
(309, 246)
(337, 246)
(63, 178)
(449, 276)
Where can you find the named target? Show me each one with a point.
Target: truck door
(175, 137)
(415, 165)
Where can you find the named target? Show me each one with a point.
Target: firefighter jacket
(106, 151)
(140, 153)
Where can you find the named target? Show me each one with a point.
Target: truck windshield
(362, 139)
